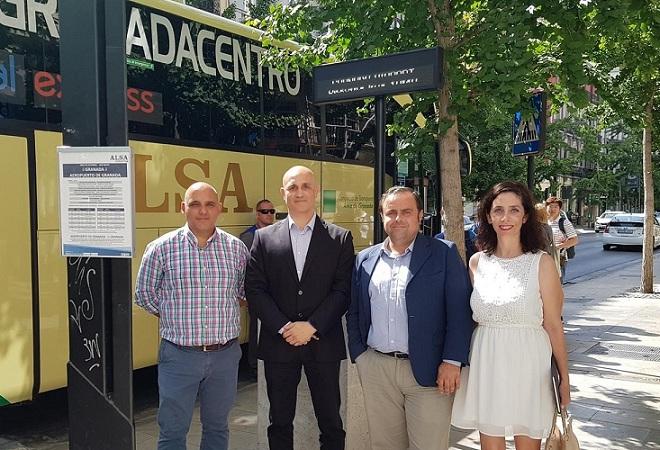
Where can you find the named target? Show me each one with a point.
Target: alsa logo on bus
(185, 45)
(142, 105)
(233, 177)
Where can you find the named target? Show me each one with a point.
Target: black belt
(397, 355)
(206, 348)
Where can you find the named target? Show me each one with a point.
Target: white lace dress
(506, 391)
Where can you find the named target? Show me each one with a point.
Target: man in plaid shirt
(192, 279)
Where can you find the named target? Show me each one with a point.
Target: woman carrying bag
(516, 301)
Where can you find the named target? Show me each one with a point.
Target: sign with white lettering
(153, 37)
(96, 201)
(417, 70)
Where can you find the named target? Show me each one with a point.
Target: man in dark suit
(298, 284)
(409, 329)
(265, 215)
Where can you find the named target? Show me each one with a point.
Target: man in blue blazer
(409, 328)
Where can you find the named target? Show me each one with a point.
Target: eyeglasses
(266, 211)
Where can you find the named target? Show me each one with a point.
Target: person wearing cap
(563, 231)
(265, 215)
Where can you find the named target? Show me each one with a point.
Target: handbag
(566, 440)
(558, 440)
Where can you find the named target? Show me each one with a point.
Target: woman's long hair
(531, 233)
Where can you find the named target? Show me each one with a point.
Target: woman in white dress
(516, 302)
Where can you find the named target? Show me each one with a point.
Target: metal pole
(438, 198)
(324, 131)
(100, 399)
(379, 167)
(119, 269)
(530, 172)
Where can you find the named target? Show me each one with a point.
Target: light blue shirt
(300, 240)
(387, 293)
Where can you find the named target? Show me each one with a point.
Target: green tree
(492, 160)
(624, 63)
(495, 51)
(259, 9)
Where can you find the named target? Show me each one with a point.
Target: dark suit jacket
(437, 300)
(321, 297)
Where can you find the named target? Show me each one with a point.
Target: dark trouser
(253, 335)
(282, 384)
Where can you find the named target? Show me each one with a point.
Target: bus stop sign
(413, 71)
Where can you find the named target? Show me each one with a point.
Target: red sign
(142, 105)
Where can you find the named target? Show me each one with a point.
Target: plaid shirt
(194, 290)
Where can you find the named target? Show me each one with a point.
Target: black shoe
(253, 374)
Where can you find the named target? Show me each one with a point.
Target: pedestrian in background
(550, 247)
(192, 279)
(470, 237)
(298, 284)
(563, 231)
(409, 327)
(517, 300)
(265, 215)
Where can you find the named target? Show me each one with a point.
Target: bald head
(198, 187)
(299, 190)
(298, 171)
(202, 209)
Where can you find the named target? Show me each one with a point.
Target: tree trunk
(647, 255)
(450, 176)
(450, 172)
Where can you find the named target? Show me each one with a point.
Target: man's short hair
(261, 202)
(553, 199)
(396, 190)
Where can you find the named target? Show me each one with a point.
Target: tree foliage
(624, 63)
(495, 51)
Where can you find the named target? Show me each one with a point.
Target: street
(591, 260)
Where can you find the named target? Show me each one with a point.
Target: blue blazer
(437, 300)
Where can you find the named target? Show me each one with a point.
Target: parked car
(604, 219)
(628, 229)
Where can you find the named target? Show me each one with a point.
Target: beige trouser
(402, 414)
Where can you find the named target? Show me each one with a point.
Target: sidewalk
(613, 337)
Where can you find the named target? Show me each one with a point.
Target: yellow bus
(201, 106)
